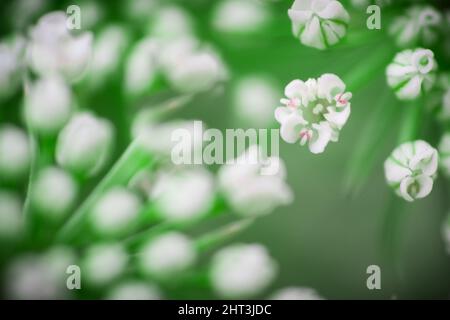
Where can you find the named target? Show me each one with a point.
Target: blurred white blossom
(183, 195)
(84, 144)
(11, 65)
(314, 111)
(411, 169)
(167, 255)
(115, 212)
(242, 270)
(104, 263)
(444, 154)
(134, 290)
(254, 100)
(171, 22)
(319, 23)
(296, 293)
(48, 105)
(411, 73)
(11, 220)
(419, 25)
(240, 16)
(54, 192)
(248, 190)
(53, 49)
(15, 153)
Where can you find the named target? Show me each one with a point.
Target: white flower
(11, 65)
(419, 25)
(103, 263)
(53, 49)
(239, 16)
(253, 185)
(115, 212)
(10, 215)
(296, 293)
(190, 67)
(142, 66)
(183, 194)
(15, 152)
(411, 169)
(318, 23)
(140, 10)
(109, 45)
(84, 144)
(314, 111)
(48, 105)
(167, 255)
(412, 72)
(254, 100)
(134, 290)
(160, 138)
(444, 153)
(43, 276)
(242, 270)
(171, 22)
(54, 192)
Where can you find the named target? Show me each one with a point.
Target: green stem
(412, 121)
(134, 159)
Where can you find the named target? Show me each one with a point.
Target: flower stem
(411, 121)
(132, 161)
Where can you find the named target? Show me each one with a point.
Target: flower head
(319, 23)
(53, 49)
(411, 169)
(184, 194)
(15, 154)
(134, 290)
(296, 293)
(419, 25)
(104, 263)
(167, 255)
(11, 223)
(254, 185)
(54, 192)
(242, 270)
(412, 72)
(314, 111)
(115, 212)
(48, 105)
(84, 144)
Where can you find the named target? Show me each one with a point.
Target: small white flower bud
(134, 290)
(242, 270)
(183, 195)
(104, 263)
(54, 192)
(11, 65)
(411, 169)
(48, 105)
(54, 50)
(84, 144)
(248, 190)
(254, 101)
(115, 211)
(418, 26)
(14, 152)
(171, 22)
(319, 23)
(239, 16)
(10, 215)
(142, 66)
(412, 72)
(167, 255)
(296, 293)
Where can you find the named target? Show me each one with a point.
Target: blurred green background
(326, 238)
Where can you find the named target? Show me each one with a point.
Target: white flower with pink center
(314, 111)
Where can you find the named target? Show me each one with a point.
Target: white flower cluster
(411, 73)
(411, 169)
(319, 23)
(314, 111)
(418, 26)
